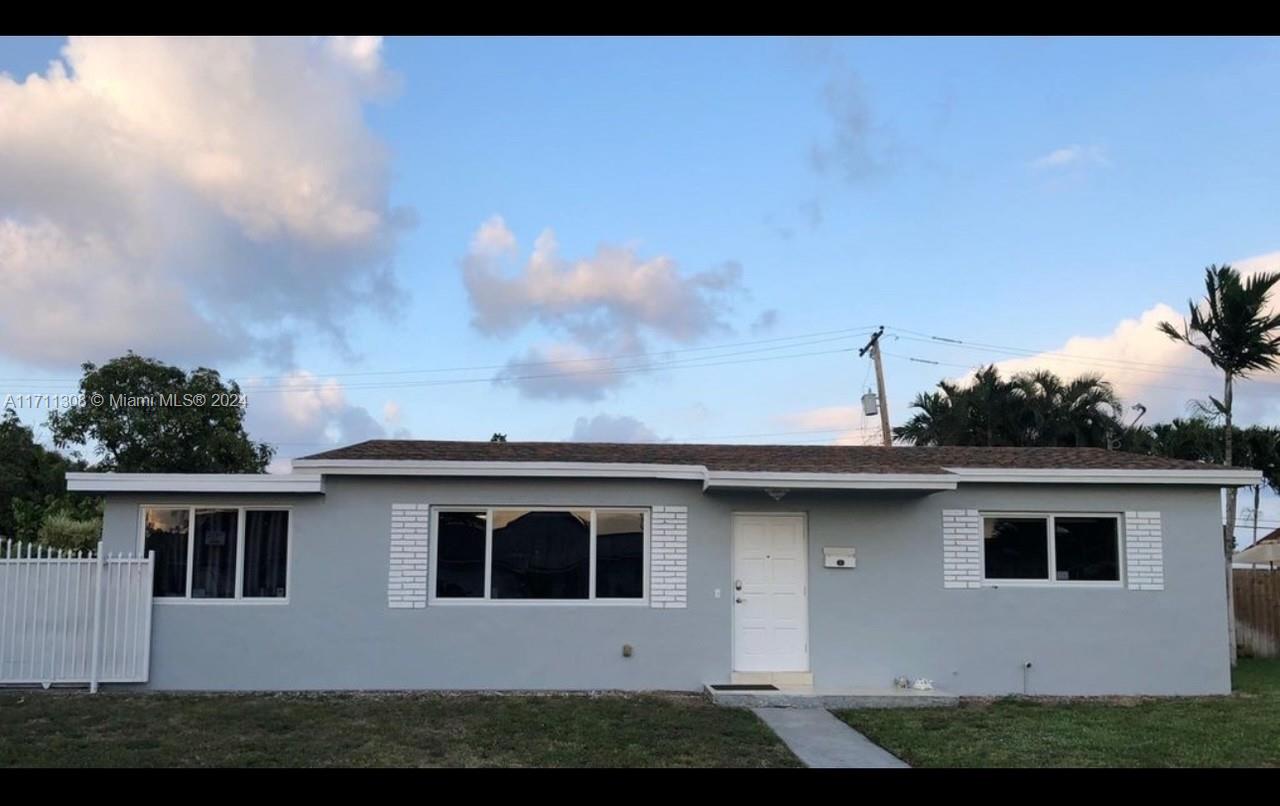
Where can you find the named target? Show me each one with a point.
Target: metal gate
(73, 617)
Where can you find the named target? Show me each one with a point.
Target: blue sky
(1016, 192)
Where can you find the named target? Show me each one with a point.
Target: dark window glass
(1086, 549)
(213, 570)
(1016, 548)
(541, 554)
(619, 555)
(266, 553)
(460, 554)
(166, 535)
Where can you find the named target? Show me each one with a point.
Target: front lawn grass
(1241, 730)
(411, 730)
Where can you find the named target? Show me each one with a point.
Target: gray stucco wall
(889, 616)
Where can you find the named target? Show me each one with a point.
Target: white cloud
(606, 304)
(1142, 364)
(303, 413)
(1268, 262)
(566, 370)
(765, 322)
(610, 428)
(1072, 155)
(613, 290)
(362, 53)
(1147, 367)
(1158, 363)
(856, 147)
(848, 424)
(392, 413)
(850, 153)
(493, 240)
(146, 183)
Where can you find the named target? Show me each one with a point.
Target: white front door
(770, 594)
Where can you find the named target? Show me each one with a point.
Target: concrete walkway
(821, 740)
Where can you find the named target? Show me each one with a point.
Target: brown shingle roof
(770, 458)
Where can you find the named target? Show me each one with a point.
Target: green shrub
(61, 530)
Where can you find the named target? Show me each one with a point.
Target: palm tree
(936, 417)
(990, 409)
(977, 414)
(1239, 336)
(1080, 413)
(1031, 409)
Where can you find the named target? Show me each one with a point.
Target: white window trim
(591, 601)
(239, 599)
(1051, 582)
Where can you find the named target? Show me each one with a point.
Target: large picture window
(503, 554)
(1062, 548)
(218, 553)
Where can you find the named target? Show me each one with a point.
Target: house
(396, 564)
(1264, 553)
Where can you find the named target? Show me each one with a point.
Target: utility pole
(874, 347)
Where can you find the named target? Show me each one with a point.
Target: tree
(1083, 412)
(1031, 409)
(1201, 439)
(498, 437)
(32, 481)
(143, 416)
(977, 414)
(1260, 450)
(1234, 330)
(60, 529)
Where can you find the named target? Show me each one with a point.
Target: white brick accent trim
(961, 549)
(410, 538)
(1144, 551)
(669, 557)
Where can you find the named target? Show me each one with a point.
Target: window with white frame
(1051, 548)
(532, 554)
(218, 553)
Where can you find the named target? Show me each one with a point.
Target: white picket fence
(74, 617)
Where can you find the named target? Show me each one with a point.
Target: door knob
(737, 584)
(739, 600)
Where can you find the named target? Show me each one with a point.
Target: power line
(660, 367)
(976, 367)
(808, 339)
(1105, 362)
(915, 335)
(839, 333)
(781, 433)
(696, 361)
(680, 439)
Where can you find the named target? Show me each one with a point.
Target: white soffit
(947, 480)
(422, 467)
(195, 482)
(1209, 476)
(615, 470)
(308, 476)
(830, 481)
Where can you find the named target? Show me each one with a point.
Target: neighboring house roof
(1266, 551)
(1270, 537)
(759, 458)
(819, 467)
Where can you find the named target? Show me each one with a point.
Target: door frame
(733, 560)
